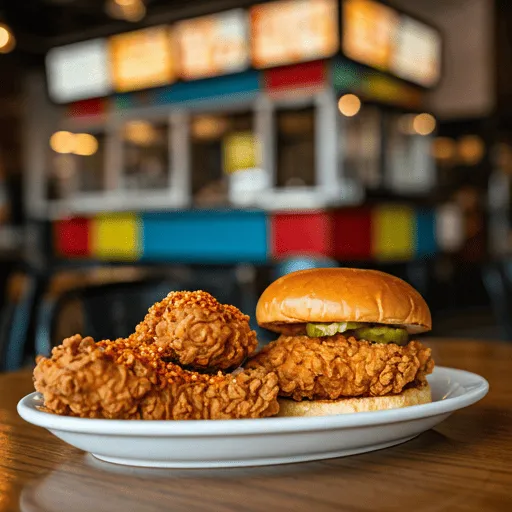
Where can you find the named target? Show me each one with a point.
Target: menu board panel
(380, 37)
(417, 53)
(142, 59)
(213, 45)
(369, 32)
(78, 71)
(293, 31)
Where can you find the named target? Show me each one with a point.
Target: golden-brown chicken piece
(335, 367)
(126, 380)
(194, 329)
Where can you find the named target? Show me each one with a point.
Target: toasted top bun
(411, 396)
(342, 295)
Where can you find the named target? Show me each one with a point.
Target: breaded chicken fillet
(334, 367)
(124, 379)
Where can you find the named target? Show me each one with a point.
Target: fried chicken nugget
(194, 329)
(335, 367)
(125, 380)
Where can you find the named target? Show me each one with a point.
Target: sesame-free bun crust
(342, 295)
(411, 396)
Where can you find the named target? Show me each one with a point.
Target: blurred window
(360, 147)
(214, 140)
(76, 164)
(146, 160)
(295, 135)
(409, 165)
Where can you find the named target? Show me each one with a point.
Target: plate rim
(476, 387)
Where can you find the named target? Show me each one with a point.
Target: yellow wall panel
(393, 233)
(116, 237)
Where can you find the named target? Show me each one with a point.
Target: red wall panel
(353, 234)
(301, 233)
(71, 237)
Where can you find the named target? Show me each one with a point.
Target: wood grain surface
(465, 464)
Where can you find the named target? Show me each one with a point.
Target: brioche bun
(326, 295)
(411, 396)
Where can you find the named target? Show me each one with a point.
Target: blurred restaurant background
(157, 145)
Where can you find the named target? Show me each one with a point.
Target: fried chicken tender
(335, 367)
(194, 329)
(126, 380)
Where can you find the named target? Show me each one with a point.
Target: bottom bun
(411, 396)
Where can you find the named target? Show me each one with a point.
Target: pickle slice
(349, 326)
(383, 334)
(319, 330)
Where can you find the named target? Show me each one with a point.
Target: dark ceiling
(41, 24)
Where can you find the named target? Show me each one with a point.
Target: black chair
(16, 319)
(497, 278)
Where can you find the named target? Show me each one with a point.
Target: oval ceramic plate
(255, 442)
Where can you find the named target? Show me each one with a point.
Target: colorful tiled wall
(383, 233)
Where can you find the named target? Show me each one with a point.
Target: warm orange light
(134, 12)
(471, 149)
(140, 133)
(129, 10)
(7, 40)
(349, 105)
(4, 36)
(63, 142)
(443, 149)
(424, 124)
(85, 144)
(209, 127)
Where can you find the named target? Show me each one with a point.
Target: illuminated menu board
(213, 45)
(380, 37)
(369, 32)
(293, 31)
(141, 59)
(417, 53)
(78, 71)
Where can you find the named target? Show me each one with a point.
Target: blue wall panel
(206, 236)
(233, 86)
(426, 244)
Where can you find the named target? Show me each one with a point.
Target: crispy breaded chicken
(335, 367)
(126, 380)
(194, 329)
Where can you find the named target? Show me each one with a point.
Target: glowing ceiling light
(7, 40)
(349, 105)
(129, 10)
(85, 144)
(134, 12)
(63, 142)
(424, 124)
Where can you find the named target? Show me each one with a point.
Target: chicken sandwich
(346, 342)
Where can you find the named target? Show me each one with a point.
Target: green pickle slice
(383, 334)
(375, 334)
(319, 330)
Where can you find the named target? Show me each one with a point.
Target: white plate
(258, 442)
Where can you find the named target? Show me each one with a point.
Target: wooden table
(465, 464)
